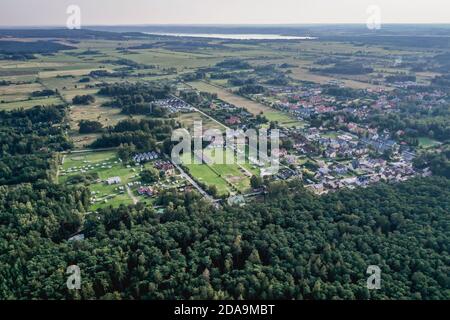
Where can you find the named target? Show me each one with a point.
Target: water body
(232, 36)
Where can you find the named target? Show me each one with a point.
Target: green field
(206, 175)
(29, 103)
(228, 178)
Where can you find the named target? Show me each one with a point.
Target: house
(146, 191)
(238, 200)
(233, 120)
(78, 237)
(165, 166)
(145, 157)
(113, 180)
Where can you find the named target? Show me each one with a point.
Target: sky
(131, 12)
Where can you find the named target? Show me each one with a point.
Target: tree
(83, 99)
(256, 182)
(125, 151)
(87, 126)
(149, 175)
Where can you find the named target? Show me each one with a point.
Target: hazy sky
(111, 12)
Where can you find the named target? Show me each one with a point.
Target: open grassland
(170, 59)
(19, 92)
(29, 103)
(188, 119)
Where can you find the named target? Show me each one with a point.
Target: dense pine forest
(298, 247)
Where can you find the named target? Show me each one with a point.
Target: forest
(143, 134)
(296, 247)
(135, 98)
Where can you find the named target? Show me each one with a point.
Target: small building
(113, 180)
(78, 237)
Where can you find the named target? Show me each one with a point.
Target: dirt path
(131, 195)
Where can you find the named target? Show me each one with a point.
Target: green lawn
(232, 172)
(426, 143)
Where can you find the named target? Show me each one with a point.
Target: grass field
(204, 174)
(29, 103)
(106, 165)
(232, 173)
(187, 120)
(426, 143)
(227, 177)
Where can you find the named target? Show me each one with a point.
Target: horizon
(86, 27)
(42, 13)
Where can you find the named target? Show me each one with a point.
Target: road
(192, 181)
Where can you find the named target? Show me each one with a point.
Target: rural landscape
(87, 179)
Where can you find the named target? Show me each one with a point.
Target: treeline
(251, 89)
(442, 81)
(25, 47)
(83, 99)
(143, 134)
(234, 64)
(297, 246)
(135, 98)
(347, 68)
(401, 78)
